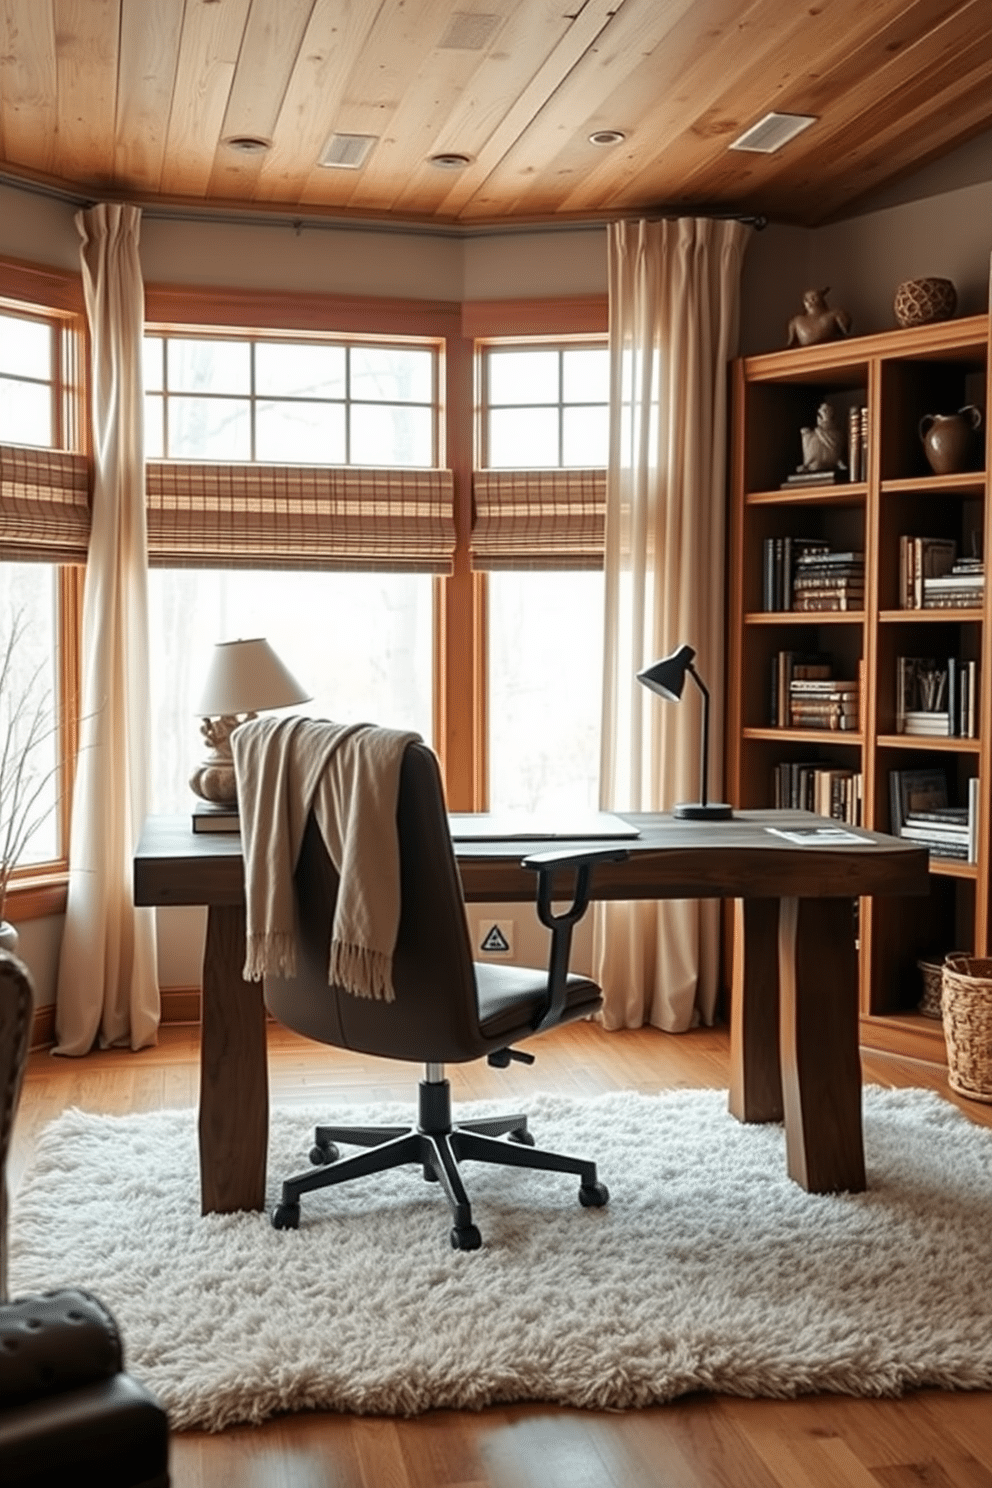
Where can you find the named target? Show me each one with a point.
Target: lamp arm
(704, 748)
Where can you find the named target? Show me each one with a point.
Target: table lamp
(667, 679)
(244, 677)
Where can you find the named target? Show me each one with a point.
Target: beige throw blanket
(348, 774)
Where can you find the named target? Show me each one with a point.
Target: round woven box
(967, 1007)
(921, 301)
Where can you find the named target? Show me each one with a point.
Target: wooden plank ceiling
(140, 99)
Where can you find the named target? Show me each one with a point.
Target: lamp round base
(696, 811)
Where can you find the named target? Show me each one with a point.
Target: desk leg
(234, 1076)
(755, 1073)
(821, 1066)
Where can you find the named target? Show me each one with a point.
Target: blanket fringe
(361, 971)
(272, 954)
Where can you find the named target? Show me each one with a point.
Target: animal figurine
(822, 445)
(818, 322)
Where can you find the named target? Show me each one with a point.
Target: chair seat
(511, 997)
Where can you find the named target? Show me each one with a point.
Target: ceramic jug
(948, 439)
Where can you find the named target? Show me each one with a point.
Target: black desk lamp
(667, 679)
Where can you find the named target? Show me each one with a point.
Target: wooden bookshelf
(899, 377)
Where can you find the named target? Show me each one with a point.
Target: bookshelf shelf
(933, 743)
(948, 868)
(805, 736)
(846, 493)
(936, 615)
(804, 617)
(887, 534)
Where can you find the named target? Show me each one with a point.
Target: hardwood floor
(929, 1438)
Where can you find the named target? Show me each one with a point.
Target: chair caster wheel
(523, 1136)
(286, 1217)
(594, 1195)
(323, 1153)
(465, 1237)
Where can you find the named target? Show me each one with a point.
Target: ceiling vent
(348, 151)
(468, 32)
(772, 132)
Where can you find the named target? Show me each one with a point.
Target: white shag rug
(709, 1270)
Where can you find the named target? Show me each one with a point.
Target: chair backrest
(434, 1017)
(16, 1007)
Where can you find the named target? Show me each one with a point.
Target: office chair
(68, 1411)
(446, 1009)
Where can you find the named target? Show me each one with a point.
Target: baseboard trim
(43, 1027)
(179, 1005)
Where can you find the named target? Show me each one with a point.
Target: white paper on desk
(819, 836)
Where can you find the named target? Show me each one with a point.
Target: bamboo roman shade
(303, 517)
(44, 505)
(538, 519)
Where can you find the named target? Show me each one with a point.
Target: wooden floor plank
(928, 1439)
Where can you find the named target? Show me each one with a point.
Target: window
(44, 521)
(27, 365)
(300, 402)
(361, 641)
(28, 707)
(545, 408)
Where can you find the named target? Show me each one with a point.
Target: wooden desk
(794, 1016)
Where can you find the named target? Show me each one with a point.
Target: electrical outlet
(494, 940)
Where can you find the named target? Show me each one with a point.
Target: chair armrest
(545, 865)
(574, 857)
(55, 1342)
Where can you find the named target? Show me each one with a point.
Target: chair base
(438, 1147)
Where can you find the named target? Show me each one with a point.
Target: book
(922, 558)
(915, 790)
(930, 724)
(210, 818)
(789, 665)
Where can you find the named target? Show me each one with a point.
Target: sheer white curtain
(107, 985)
(674, 298)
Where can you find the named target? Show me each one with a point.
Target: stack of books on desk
(208, 817)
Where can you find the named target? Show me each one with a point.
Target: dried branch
(26, 722)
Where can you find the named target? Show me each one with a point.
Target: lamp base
(696, 811)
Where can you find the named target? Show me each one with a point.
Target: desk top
(739, 858)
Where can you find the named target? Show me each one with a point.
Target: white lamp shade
(247, 677)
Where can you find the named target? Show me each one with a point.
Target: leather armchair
(68, 1411)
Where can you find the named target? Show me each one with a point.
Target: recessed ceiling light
(450, 161)
(772, 132)
(248, 144)
(607, 137)
(347, 151)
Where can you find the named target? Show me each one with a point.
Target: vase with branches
(26, 725)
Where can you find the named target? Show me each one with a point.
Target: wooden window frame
(41, 889)
(460, 621)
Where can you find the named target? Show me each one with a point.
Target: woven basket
(967, 1006)
(932, 973)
